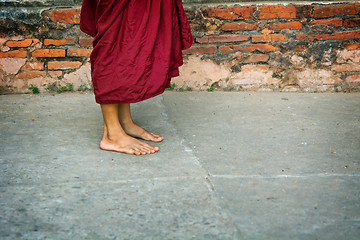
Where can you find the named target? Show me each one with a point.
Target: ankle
(114, 135)
(126, 123)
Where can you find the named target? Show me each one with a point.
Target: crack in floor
(219, 203)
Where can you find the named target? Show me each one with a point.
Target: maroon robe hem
(136, 48)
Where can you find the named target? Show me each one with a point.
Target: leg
(115, 138)
(132, 128)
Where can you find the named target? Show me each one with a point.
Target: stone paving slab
(62, 136)
(232, 166)
(140, 209)
(270, 133)
(57, 184)
(286, 165)
(312, 207)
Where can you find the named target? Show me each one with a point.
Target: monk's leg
(132, 128)
(115, 138)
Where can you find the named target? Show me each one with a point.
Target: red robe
(137, 46)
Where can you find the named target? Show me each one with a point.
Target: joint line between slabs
(285, 176)
(105, 181)
(220, 205)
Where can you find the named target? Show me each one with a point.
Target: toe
(129, 151)
(156, 137)
(150, 136)
(148, 147)
(144, 148)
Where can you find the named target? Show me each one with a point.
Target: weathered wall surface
(239, 46)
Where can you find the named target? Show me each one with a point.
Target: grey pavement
(232, 166)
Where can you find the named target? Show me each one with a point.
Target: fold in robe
(136, 48)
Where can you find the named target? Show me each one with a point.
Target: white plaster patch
(297, 61)
(200, 74)
(311, 78)
(22, 85)
(253, 78)
(345, 56)
(17, 38)
(11, 65)
(2, 41)
(3, 47)
(80, 77)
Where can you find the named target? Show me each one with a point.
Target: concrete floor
(232, 166)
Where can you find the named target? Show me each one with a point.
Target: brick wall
(268, 47)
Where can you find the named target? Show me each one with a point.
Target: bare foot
(134, 130)
(126, 144)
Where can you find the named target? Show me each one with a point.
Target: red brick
(239, 26)
(34, 66)
(67, 41)
(49, 53)
(230, 13)
(353, 67)
(269, 38)
(13, 54)
(248, 48)
(338, 35)
(256, 58)
(223, 38)
(22, 43)
(200, 49)
(79, 52)
(303, 11)
(63, 65)
(85, 42)
(261, 68)
(291, 88)
(266, 31)
(258, 47)
(30, 74)
(332, 80)
(331, 22)
(334, 11)
(70, 16)
(273, 12)
(288, 25)
(240, 55)
(353, 78)
(352, 22)
(226, 49)
(352, 46)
